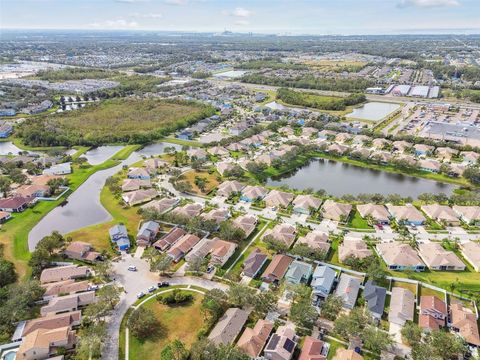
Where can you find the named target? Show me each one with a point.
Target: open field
(176, 322)
(210, 179)
(113, 121)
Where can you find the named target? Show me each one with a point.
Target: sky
(322, 17)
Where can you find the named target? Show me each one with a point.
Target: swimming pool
(10, 355)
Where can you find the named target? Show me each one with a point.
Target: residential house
(401, 146)
(468, 214)
(400, 257)
(374, 296)
(4, 216)
(308, 132)
(343, 137)
(326, 134)
(378, 213)
(169, 239)
(470, 157)
(189, 210)
(64, 287)
(182, 247)
(353, 247)
(305, 204)
(147, 233)
(119, 235)
(67, 303)
(161, 206)
(236, 146)
(429, 165)
(230, 187)
(197, 153)
(298, 272)
(282, 343)
(247, 223)
(337, 149)
(253, 340)
(135, 184)
(347, 289)
(200, 250)
(471, 253)
(254, 263)
(253, 193)
(228, 327)
(154, 164)
(282, 232)
(277, 268)
(402, 306)
(441, 213)
(14, 204)
(218, 151)
(32, 191)
(313, 349)
(422, 149)
(347, 354)
(323, 280)
(464, 322)
(336, 211)
(44, 343)
(380, 143)
(61, 273)
(266, 159)
(433, 313)
(58, 169)
(286, 130)
(276, 198)
(221, 251)
(381, 157)
(51, 322)
(139, 196)
(217, 215)
(437, 258)
(406, 214)
(224, 166)
(138, 173)
(78, 250)
(317, 240)
(445, 153)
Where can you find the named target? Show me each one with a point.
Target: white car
(140, 295)
(132, 268)
(151, 289)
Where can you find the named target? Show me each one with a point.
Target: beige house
(228, 327)
(252, 193)
(378, 213)
(43, 343)
(51, 322)
(445, 153)
(344, 354)
(161, 205)
(139, 196)
(79, 250)
(353, 247)
(468, 214)
(283, 232)
(61, 273)
(402, 306)
(224, 166)
(217, 215)
(441, 213)
(282, 344)
(247, 223)
(277, 268)
(401, 146)
(253, 340)
(218, 151)
(336, 211)
(64, 287)
(471, 252)
(229, 187)
(221, 251)
(276, 198)
(464, 322)
(68, 303)
(135, 184)
(305, 204)
(437, 258)
(188, 210)
(400, 257)
(406, 214)
(316, 240)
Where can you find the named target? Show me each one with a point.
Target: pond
(7, 147)
(157, 149)
(83, 207)
(338, 179)
(373, 111)
(100, 154)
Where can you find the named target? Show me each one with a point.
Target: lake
(157, 149)
(100, 154)
(83, 207)
(7, 147)
(373, 111)
(338, 179)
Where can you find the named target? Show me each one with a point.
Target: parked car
(210, 268)
(140, 295)
(163, 284)
(151, 289)
(132, 268)
(93, 287)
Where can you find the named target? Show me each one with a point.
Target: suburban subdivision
(239, 195)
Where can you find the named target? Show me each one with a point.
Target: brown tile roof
(169, 239)
(53, 322)
(277, 268)
(253, 340)
(465, 321)
(60, 273)
(311, 349)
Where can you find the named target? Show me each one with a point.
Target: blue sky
(266, 16)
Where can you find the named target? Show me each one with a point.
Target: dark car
(163, 284)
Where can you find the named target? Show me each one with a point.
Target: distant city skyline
(320, 17)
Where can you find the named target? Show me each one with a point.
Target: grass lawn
(334, 346)
(14, 233)
(357, 222)
(405, 285)
(424, 291)
(176, 322)
(211, 181)
(172, 140)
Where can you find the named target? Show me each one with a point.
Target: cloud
(176, 2)
(147, 16)
(115, 24)
(241, 12)
(427, 3)
(241, 23)
(131, 1)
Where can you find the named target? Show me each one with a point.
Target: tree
(5, 183)
(265, 302)
(52, 242)
(351, 324)
(183, 186)
(472, 173)
(7, 272)
(176, 350)
(160, 263)
(91, 341)
(110, 294)
(412, 333)
(39, 260)
(376, 272)
(375, 339)
(240, 295)
(204, 349)
(228, 231)
(197, 264)
(275, 245)
(331, 307)
(302, 313)
(306, 251)
(143, 323)
(54, 184)
(214, 304)
(104, 269)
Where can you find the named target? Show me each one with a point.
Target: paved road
(133, 283)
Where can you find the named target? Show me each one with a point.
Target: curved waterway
(338, 179)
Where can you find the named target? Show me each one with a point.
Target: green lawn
(357, 222)
(176, 322)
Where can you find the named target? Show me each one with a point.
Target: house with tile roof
(336, 211)
(282, 343)
(254, 263)
(298, 272)
(347, 289)
(437, 258)
(400, 257)
(277, 269)
(402, 306)
(323, 280)
(228, 326)
(406, 214)
(253, 340)
(433, 313)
